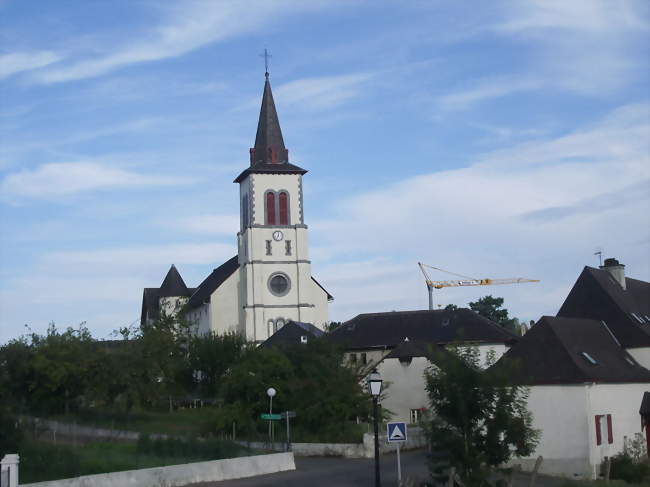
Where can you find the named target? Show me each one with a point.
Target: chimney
(616, 269)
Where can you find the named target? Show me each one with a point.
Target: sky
(492, 139)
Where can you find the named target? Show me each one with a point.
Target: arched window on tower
(270, 208)
(283, 200)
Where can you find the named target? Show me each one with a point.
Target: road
(336, 472)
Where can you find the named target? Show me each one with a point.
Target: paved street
(335, 472)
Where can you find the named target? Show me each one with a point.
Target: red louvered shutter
(610, 435)
(270, 208)
(599, 440)
(284, 208)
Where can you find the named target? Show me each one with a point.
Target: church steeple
(269, 144)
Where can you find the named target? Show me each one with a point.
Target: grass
(40, 461)
(182, 422)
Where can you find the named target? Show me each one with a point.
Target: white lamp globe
(270, 392)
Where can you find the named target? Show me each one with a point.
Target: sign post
(397, 434)
(286, 415)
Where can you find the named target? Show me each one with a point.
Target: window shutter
(599, 439)
(270, 208)
(610, 435)
(284, 208)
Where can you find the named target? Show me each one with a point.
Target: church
(269, 282)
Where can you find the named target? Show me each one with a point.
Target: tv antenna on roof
(599, 253)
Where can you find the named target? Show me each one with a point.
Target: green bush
(625, 468)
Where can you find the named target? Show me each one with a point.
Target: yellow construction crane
(466, 281)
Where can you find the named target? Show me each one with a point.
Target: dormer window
(589, 358)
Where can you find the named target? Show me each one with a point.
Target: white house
(397, 344)
(269, 281)
(585, 393)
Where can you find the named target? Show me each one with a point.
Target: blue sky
(493, 139)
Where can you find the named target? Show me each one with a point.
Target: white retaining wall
(178, 475)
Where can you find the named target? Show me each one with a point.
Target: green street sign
(271, 417)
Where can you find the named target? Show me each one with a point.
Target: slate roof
(172, 285)
(216, 278)
(411, 348)
(597, 295)
(387, 330)
(290, 334)
(269, 154)
(553, 352)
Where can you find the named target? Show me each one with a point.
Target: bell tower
(273, 248)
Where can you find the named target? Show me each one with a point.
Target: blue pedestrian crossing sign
(396, 432)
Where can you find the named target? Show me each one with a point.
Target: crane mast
(466, 281)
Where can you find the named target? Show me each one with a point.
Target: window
(353, 358)
(589, 358)
(268, 247)
(604, 427)
(277, 208)
(279, 284)
(244, 211)
(303, 338)
(283, 203)
(287, 247)
(270, 208)
(415, 416)
(364, 358)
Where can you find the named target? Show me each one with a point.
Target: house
(269, 282)
(623, 303)
(585, 392)
(397, 344)
(293, 333)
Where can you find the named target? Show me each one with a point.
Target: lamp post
(271, 392)
(374, 387)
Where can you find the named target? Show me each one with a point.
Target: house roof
(173, 284)
(560, 350)
(269, 154)
(375, 330)
(210, 284)
(290, 334)
(597, 295)
(329, 296)
(409, 349)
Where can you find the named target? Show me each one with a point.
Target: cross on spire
(266, 55)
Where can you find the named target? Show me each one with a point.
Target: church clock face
(277, 235)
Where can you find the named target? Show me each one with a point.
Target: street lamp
(271, 392)
(374, 388)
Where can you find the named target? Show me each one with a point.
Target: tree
(491, 308)
(480, 418)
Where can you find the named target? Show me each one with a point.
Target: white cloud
(206, 224)
(322, 92)
(17, 62)
(536, 210)
(486, 89)
(187, 26)
(58, 179)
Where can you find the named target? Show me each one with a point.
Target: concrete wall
(178, 475)
(406, 386)
(622, 401)
(560, 412)
(225, 305)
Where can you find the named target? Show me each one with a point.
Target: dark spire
(269, 145)
(173, 285)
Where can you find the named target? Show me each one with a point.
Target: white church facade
(269, 281)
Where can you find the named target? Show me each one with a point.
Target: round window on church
(279, 284)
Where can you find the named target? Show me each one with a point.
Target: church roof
(173, 284)
(379, 330)
(216, 278)
(571, 351)
(269, 154)
(597, 295)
